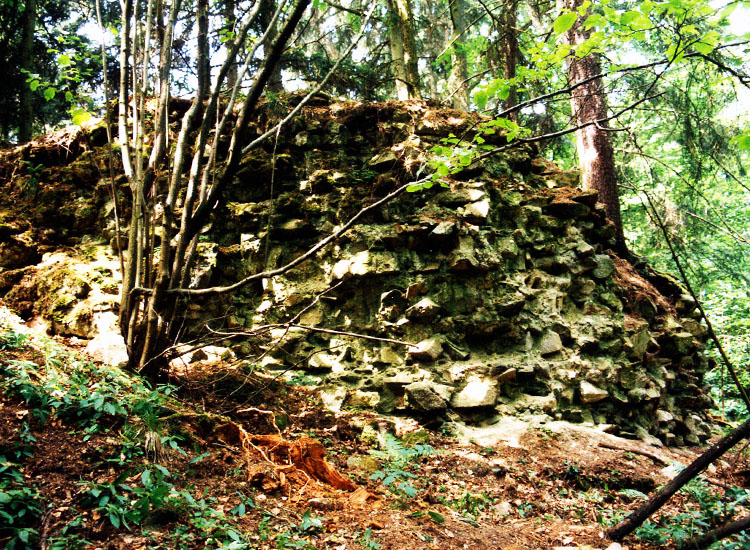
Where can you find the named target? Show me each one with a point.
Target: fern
(399, 455)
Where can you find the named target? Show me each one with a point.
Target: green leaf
(49, 93)
(63, 61)
(34, 84)
(437, 518)
(565, 22)
(628, 17)
(594, 20)
(68, 96)
(707, 43)
(742, 141)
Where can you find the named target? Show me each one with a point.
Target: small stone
(321, 362)
(592, 394)
(424, 397)
(604, 266)
(646, 437)
(444, 229)
(549, 343)
(364, 399)
(504, 508)
(507, 376)
(333, 398)
(663, 416)
(477, 393)
(383, 161)
(427, 350)
(423, 310)
(477, 211)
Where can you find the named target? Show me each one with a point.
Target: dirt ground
(515, 485)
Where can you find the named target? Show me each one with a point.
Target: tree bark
(459, 69)
(25, 99)
(636, 519)
(227, 12)
(595, 152)
(267, 9)
(511, 52)
(720, 533)
(403, 49)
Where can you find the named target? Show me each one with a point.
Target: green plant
(471, 503)
(368, 542)
(12, 340)
(398, 457)
(20, 507)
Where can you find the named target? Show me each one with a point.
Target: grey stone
(549, 343)
(423, 310)
(604, 266)
(427, 350)
(592, 394)
(477, 393)
(424, 397)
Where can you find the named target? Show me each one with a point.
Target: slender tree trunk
(230, 24)
(25, 99)
(267, 9)
(403, 49)
(204, 63)
(636, 519)
(457, 83)
(511, 52)
(588, 104)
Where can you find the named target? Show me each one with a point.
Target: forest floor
(91, 458)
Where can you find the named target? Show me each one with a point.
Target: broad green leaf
(437, 518)
(34, 84)
(628, 17)
(49, 93)
(707, 43)
(742, 141)
(565, 22)
(68, 96)
(594, 20)
(63, 60)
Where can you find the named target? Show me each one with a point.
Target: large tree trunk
(589, 104)
(403, 49)
(25, 99)
(457, 83)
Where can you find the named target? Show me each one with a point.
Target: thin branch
(303, 257)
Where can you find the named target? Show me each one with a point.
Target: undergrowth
(94, 399)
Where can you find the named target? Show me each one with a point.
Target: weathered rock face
(497, 295)
(504, 282)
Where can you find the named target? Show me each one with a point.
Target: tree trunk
(267, 9)
(511, 51)
(403, 49)
(227, 12)
(588, 104)
(457, 83)
(203, 62)
(25, 99)
(636, 519)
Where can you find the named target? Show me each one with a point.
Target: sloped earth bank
(523, 485)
